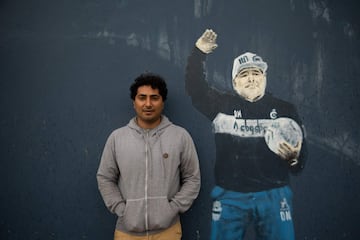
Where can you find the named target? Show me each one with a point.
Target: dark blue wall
(65, 69)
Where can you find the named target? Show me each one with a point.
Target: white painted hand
(289, 153)
(207, 42)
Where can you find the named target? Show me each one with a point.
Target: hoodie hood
(165, 122)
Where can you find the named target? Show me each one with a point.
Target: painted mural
(65, 72)
(259, 141)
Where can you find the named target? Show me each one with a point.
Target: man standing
(258, 142)
(149, 169)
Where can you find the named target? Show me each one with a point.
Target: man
(258, 142)
(149, 169)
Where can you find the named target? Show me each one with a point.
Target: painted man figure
(258, 143)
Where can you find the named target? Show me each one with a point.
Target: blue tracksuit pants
(268, 211)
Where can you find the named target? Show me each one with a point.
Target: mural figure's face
(250, 83)
(148, 106)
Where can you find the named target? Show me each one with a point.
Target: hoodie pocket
(134, 216)
(161, 214)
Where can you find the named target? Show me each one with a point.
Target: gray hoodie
(148, 177)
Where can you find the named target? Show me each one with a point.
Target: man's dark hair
(149, 79)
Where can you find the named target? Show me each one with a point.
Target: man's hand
(207, 42)
(284, 137)
(289, 153)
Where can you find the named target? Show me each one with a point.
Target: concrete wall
(65, 69)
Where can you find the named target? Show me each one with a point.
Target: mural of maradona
(259, 143)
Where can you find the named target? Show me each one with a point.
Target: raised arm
(195, 83)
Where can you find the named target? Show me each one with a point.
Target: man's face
(250, 83)
(148, 105)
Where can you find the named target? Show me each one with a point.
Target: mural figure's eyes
(250, 71)
(256, 73)
(244, 74)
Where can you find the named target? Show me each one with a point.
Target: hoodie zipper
(146, 178)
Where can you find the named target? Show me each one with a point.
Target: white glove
(207, 42)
